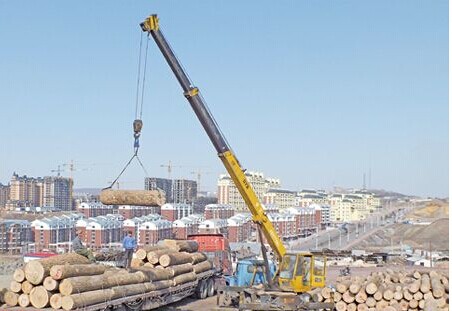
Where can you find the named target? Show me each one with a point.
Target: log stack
(70, 281)
(388, 291)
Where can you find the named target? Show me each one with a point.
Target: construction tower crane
(298, 272)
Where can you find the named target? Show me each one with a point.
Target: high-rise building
(184, 191)
(229, 194)
(47, 192)
(57, 192)
(154, 183)
(4, 195)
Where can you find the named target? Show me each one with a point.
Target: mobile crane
(298, 272)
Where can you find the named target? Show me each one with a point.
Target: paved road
(343, 238)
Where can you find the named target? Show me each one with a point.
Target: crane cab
(301, 272)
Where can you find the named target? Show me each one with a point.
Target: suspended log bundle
(388, 291)
(132, 197)
(71, 282)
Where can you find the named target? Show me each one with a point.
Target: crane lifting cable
(139, 100)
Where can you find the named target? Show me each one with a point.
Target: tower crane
(298, 272)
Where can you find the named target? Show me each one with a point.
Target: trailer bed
(147, 301)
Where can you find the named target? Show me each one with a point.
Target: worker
(79, 248)
(129, 244)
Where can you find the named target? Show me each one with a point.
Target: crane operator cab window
(288, 266)
(319, 271)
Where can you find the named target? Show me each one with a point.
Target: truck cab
(250, 272)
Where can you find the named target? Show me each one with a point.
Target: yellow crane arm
(232, 165)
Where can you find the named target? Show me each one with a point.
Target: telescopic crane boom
(227, 156)
(298, 272)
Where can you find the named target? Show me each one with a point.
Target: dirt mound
(436, 209)
(415, 236)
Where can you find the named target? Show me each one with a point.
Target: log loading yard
(179, 275)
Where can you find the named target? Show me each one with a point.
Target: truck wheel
(210, 287)
(202, 290)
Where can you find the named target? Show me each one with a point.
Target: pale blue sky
(312, 92)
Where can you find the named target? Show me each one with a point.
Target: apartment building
(214, 226)
(4, 195)
(150, 232)
(94, 209)
(102, 231)
(229, 194)
(186, 226)
(285, 225)
(281, 198)
(15, 235)
(240, 227)
(49, 191)
(184, 191)
(131, 211)
(54, 233)
(174, 211)
(220, 211)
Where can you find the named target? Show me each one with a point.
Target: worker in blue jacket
(130, 245)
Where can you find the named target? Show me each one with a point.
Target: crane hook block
(137, 126)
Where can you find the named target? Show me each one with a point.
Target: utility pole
(430, 247)
(329, 240)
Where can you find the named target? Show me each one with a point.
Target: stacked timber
(389, 291)
(70, 281)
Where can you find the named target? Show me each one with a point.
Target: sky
(315, 93)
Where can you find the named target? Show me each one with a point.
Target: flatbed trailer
(147, 301)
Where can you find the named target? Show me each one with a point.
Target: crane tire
(210, 287)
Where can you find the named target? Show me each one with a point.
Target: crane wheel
(210, 287)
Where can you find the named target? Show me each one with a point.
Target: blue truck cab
(250, 272)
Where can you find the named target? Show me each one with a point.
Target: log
(381, 304)
(438, 289)
(59, 272)
(174, 259)
(148, 264)
(157, 285)
(197, 258)
(398, 295)
(341, 306)
(189, 246)
(388, 294)
(417, 275)
(154, 274)
(154, 256)
(425, 283)
(56, 301)
(337, 297)
(130, 290)
(421, 304)
(371, 288)
(37, 270)
(180, 269)
(351, 307)
(132, 197)
(184, 278)
(413, 303)
(202, 266)
(343, 286)
(15, 287)
(142, 252)
(390, 308)
(407, 295)
(26, 287)
(19, 275)
(326, 292)
(136, 263)
(348, 297)
(418, 296)
(86, 299)
(11, 298)
(40, 297)
(378, 295)
(371, 302)
(50, 284)
(354, 288)
(403, 304)
(362, 307)
(80, 284)
(23, 300)
(361, 296)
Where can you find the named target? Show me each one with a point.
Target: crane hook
(137, 126)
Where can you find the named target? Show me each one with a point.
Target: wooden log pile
(70, 281)
(388, 291)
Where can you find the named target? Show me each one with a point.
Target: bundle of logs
(388, 291)
(71, 282)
